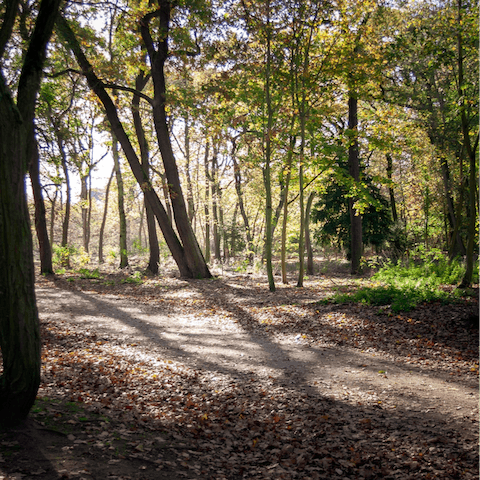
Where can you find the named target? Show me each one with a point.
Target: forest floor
(162, 378)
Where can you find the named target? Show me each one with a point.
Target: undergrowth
(403, 287)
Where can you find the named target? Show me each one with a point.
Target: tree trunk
(190, 203)
(121, 207)
(301, 240)
(308, 240)
(457, 246)
(238, 187)
(393, 205)
(158, 56)
(233, 240)
(176, 248)
(268, 158)
(354, 170)
(84, 205)
(104, 219)
(215, 206)
(52, 218)
(45, 248)
(207, 205)
(471, 153)
(19, 335)
(154, 257)
(66, 218)
(19, 326)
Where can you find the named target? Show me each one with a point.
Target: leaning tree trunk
(158, 54)
(19, 325)
(45, 248)
(176, 248)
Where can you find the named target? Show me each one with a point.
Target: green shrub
(136, 279)
(403, 287)
(61, 255)
(89, 274)
(65, 256)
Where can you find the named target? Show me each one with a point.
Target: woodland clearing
(222, 379)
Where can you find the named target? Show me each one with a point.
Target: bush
(61, 255)
(68, 255)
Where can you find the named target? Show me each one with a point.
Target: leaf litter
(222, 379)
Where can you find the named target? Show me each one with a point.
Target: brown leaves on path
(288, 389)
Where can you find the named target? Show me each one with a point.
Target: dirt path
(222, 379)
(218, 344)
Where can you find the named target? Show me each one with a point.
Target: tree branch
(128, 89)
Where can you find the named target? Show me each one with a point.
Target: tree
(158, 52)
(121, 207)
(19, 325)
(188, 257)
(140, 83)
(332, 212)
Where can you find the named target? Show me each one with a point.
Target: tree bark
(154, 256)
(215, 206)
(267, 181)
(66, 218)
(301, 240)
(207, 204)
(393, 205)
(84, 198)
(19, 325)
(190, 202)
(45, 248)
(471, 153)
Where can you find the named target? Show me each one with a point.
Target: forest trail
(217, 343)
(245, 383)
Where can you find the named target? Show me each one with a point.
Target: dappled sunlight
(231, 366)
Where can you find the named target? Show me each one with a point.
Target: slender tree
(104, 219)
(121, 204)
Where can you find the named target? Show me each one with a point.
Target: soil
(162, 378)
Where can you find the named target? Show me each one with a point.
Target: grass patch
(403, 287)
(136, 279)
(85, 273)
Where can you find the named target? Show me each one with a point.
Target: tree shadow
(372, 430)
